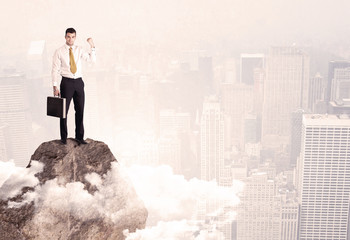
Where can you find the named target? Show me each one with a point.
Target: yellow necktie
(73, 67)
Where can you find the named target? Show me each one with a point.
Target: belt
(71, 78)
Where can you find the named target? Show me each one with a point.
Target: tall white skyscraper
(14, 112)
(285, 90)
(212, 140)
(324, 177)
(212, 162)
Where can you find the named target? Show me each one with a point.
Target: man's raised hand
(89, 40)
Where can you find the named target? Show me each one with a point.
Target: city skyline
(215, 95)
(216, 149)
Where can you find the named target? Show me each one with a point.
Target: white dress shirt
(61, 66)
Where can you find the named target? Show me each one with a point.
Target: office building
(341, 84)
(286, 89)
(331, 69)
(339, 107)
(316, 92)
(251, 129)
(250, 62)
(259, 212)
(212, 160)
(289, 220)
(237, 103)
(324, 177)
(296, 124)
(212, 140)
(174, 121)
(15, 114)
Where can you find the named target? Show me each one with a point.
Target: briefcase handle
(58, 96)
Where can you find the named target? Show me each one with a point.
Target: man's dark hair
(70, 30)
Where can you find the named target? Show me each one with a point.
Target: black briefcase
(56, 107)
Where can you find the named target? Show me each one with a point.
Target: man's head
(70, 36)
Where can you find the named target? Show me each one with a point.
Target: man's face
(70, 38)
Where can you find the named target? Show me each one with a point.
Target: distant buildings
(341, 84)
(249, 63)
(295, 141)
(333, 65)
(238, 105)
(339, 107)
(289, 220)
(258, 215)
(171, 121)
(316, 92)
(3, 141)
(265, 212)
(286, 89)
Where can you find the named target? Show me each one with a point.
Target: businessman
(67, 67)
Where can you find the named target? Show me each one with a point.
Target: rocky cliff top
(71, 162)
(70, 192)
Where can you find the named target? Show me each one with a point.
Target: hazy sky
(180, 22)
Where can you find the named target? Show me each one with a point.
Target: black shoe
(64, 141)
(81, 141)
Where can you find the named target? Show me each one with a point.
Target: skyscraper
(285, 90)
(250, 62)
(324, 177)
(251, 129)
(331, 68)
(174, 121)
(317, 91)
(289, 220)
(341, 84)
(297, 119)
(259, 213)
(212, 160)
(237, 103)
(212, 140)
(14, 112)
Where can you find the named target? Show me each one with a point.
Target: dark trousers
(73, 88)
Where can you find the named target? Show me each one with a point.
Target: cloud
(174, 230)
(170, 199)
(13, 179)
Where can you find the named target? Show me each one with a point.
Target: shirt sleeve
(89, 56)
(56, 68)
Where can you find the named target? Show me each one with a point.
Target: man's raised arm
(90, 57)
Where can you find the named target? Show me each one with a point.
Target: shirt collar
(67, 47)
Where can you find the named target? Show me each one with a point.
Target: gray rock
(66, 164)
